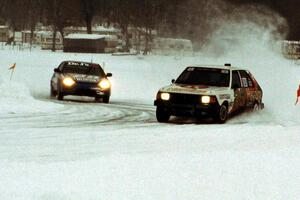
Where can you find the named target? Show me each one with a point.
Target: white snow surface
(78, 149)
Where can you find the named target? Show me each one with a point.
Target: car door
(249, 88)
(236, 85)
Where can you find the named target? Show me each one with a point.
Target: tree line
(190, 19)
(173, 18)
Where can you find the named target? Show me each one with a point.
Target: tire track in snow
(76, 113)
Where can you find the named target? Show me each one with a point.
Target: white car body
(236, 91)
(222, 93)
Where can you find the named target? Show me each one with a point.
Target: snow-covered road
(79, 149)
(80, 114)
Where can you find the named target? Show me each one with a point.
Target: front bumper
(85, 89)
(194, 110)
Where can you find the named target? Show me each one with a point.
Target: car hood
(193, 89)
(84, 77)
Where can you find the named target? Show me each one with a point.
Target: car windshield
(83, 68)
(204, 76)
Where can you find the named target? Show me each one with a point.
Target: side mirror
(109, 75)
(56, 70)
(173, 81)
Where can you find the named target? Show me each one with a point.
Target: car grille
(85, 85)
(184, 98)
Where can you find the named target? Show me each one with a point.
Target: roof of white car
(218, 67)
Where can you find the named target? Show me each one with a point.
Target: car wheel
(222, 114)
(52, 91)
(162, 115)
(106, 99)
(256, 107)
(98, 99)
(59, 96)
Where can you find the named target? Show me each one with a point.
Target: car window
(83, 68)
(246, 79)
(204, 76)
(236, 79)
(60, 67)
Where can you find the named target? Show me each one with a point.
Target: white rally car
(215, 91)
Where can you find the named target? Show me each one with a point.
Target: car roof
(217, 67)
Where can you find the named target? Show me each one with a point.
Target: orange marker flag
(298, 95)
(12, 68)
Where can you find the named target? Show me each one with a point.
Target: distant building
(26, 37)
(42, 38)
(291, 49)
(100, 30)
(110, 39)
(90, 43)
(45, 40)
(18, 37)
(4, 33)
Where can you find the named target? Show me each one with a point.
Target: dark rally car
(82, 79)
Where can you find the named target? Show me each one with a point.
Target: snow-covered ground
(78, 149)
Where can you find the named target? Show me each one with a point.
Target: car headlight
(205, 99)
(68, 82)
(104, 84)
(165, 96)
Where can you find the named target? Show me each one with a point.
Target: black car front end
(82, 79)
(84, 88)
(179, 104)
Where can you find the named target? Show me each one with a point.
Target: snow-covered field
(78, 149)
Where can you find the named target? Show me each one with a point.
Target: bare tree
(15, 14)
(32, 12)
(60, 15)
(88, 8)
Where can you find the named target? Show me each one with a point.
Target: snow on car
(80, 78)
(215, 91)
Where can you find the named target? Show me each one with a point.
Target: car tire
(98, 99)
(162, 115)
(52, 92)
(256, 107)
(222, 114)
(59, 96)
(105, 99)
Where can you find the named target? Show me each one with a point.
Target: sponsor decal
(78, 64)
(244, 82)
(187, 90)
(224, 96)
(250, 83)
(196, 87)
(230, 107)
(93, 79)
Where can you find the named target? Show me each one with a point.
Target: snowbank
(16, 98)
